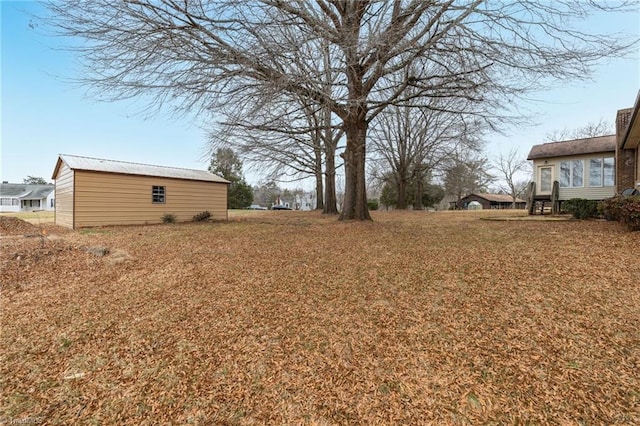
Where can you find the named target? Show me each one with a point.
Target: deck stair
(543, 203)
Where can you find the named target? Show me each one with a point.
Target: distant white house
(305, 201)
(298, 201)
(19, 197)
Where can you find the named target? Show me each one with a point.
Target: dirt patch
(14, 226)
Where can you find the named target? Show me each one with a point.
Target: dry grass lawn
(37, 218)
(294, 318)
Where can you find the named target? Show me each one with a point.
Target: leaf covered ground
(295, 318)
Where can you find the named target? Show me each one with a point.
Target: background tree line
(303, 86)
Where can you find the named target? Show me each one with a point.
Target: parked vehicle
(256, 207)
(280, 208)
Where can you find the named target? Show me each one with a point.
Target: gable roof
(75, 162)
(573, 147)
(25, 191)
(499, 198)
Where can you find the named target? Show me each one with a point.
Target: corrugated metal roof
(23, 190)
(76, 162)
(573, 147)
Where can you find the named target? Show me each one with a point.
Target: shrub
(373, 204)
(168, 218)
(581, 208)
(623, 209)
(611, 208)
(202, 216)
(630, 212)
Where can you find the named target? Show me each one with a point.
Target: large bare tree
(199, 54)
(414, 142)
(282, 140)
(286, 135)
(510, 170)
(590, 130)
(466, 172)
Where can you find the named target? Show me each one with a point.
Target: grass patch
(36, 218)
(296, 318)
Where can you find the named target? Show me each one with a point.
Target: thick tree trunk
(319, 191)
(417, 202)
(318, 172)
(355, 192)
(355, 122)
(401, 203)
(330, 199)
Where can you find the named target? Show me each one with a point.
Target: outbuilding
(98, 192)
(490, 201)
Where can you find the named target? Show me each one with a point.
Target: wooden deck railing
(533, 199)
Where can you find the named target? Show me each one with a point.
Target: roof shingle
(23, 190)
(573, 147)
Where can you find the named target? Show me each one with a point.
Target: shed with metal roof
(99, 192)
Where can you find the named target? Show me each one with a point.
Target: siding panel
(64, 197)
(113, 199)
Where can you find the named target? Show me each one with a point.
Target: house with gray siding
(20, 197)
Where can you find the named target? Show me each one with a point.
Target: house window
(572, 174)
(609, 171)
(5, 201)
(157, 194)
(601, 172)
(53, 202)
(595, 172)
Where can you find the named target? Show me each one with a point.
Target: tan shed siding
(588, 192)
(64, 196)
(117, 199)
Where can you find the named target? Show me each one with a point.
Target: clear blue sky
(43, 116)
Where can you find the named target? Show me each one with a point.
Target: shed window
(157, 194)
(572, 174)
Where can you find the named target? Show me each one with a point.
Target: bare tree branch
(198, 56)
